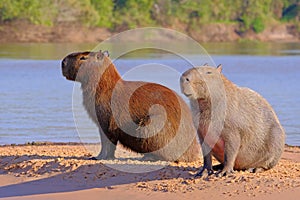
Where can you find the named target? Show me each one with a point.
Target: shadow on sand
(86, 176)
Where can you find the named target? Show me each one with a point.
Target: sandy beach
(64, 171)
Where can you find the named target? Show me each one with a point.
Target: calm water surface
(36, 101)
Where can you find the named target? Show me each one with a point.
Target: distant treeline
(123, 14)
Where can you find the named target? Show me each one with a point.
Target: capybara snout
(64, 67)
(68, 68)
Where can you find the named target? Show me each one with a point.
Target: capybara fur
(145, 117)
(235, 124)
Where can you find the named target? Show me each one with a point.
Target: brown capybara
(236, 125)
(144, 117)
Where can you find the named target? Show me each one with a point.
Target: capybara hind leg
(206, 169)
(232, 145)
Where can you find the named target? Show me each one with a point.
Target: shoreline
(48, 143)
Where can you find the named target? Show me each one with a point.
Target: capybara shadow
(235, 124)
(145, 117)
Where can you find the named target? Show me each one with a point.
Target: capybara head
(195, 83)
(78, 66)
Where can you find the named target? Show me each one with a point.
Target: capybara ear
(219, 68)
(106, 53)
(99, 55)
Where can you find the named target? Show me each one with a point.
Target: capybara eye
(187, 79)
(208, 72)
(83, 58)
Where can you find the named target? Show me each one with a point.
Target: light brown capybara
(144, 117)
(236, 125)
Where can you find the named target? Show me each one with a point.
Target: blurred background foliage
(124, 14)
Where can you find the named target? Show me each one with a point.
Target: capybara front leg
(232, 146)
(206, 169)
(108, 149)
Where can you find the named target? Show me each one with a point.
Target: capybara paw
(93, 158)
(149, 157)
(225, 173)
(218, 167)
(256, 170)
(102, 157)
(204, 172)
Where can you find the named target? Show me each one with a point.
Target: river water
(36, 100)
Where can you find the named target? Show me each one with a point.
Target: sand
(64, 171)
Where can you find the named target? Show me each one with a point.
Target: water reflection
(46, 51)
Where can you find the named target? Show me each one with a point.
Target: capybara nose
(64, 63)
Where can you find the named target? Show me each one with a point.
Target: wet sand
(64, 171)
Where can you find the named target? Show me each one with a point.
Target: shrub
(258, 25)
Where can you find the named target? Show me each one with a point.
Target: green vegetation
(258, 25)
(124, 14)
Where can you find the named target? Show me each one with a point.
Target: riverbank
(24, 32)
(63, 171)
